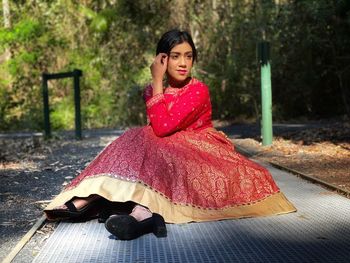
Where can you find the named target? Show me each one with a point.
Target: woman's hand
(158, 69)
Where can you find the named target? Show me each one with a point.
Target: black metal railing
(75, 74)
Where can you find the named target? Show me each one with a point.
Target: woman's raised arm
(167, 117)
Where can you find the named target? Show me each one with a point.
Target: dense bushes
(113, 43)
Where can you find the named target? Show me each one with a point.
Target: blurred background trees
(114, 41)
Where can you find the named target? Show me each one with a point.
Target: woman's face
(179, 64)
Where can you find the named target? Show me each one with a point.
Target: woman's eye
(174, 56)
(189, 56)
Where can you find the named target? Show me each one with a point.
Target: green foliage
(62, 115)
(22, 32)
(99, 22)
(113, 43)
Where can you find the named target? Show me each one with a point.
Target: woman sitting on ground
(176, 169)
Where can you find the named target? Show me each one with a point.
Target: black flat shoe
(126, 227)
(105, 214)
(89, 211)
(114, 208)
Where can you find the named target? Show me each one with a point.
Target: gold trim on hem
(117, 190)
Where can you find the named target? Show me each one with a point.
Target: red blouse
(186, 108)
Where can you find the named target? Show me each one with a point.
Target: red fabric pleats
(197, 168)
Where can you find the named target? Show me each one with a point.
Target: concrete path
(318, 232)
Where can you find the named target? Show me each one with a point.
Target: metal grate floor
(318, 232)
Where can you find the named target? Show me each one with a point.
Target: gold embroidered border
(117, 190)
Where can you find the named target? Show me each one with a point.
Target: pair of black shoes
(126, 227)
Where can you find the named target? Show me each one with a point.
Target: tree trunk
(7, 24)
(178, 19)
(6, 12)
(344, 95)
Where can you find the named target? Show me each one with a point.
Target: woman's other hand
(158, 69)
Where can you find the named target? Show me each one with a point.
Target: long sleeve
(147, 93)
(170, 115)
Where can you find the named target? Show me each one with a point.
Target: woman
(178, 167)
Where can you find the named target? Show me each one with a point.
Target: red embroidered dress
(179, 166)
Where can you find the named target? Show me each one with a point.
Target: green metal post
(77, 74)
(266, 94)
(46, 106)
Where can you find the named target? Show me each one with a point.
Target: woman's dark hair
(172, 38)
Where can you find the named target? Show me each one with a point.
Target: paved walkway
(318, 232)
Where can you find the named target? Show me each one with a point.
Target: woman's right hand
(158, 69)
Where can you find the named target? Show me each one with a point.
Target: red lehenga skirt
(188, 176)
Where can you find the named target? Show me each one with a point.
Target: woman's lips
(182, 72)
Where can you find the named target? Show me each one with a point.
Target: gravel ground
(33, 171)
(27, 185)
